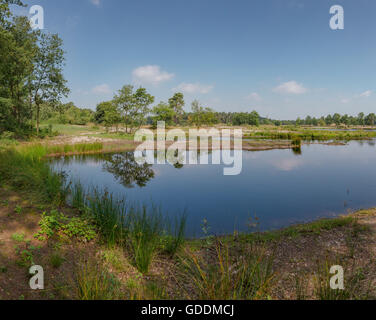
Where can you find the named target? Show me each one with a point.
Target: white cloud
(366, 94)
(345, 101)
(96, 2)
(102, 89)
(151, 75)
(254, 96)
(290, 87)
(192, 88)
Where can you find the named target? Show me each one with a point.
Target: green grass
(248, 277)
(311, 135)
(25, 170)
(315, 227)
(95, 283)
(119, 135)
(68, 129)
(74, 148)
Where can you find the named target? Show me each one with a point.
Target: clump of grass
(247, 278)
(95, 283)
(109, 215)
(56, 260)
(114, 257)
(352, 283)
(145, 231)
(78, 196)
(175, 237)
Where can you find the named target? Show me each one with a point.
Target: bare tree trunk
(38, 114)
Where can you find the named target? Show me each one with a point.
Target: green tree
(329, 120)
(47, 83)
(370, 119)
(18, 48)
(111, 116)
(134, 106)
(197, 113)
(361, 119)
(254, 119)
(337, 119)
(163, 112)
(177, 104)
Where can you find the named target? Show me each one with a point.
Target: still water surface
(278, 187)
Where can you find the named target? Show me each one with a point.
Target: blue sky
(278, 57)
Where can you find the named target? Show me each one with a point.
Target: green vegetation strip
(312, 135)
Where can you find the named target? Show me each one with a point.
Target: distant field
(69, 129)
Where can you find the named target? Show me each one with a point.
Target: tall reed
(145, 231)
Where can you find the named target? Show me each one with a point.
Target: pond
(275, 188)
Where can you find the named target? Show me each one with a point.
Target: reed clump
(144, 231)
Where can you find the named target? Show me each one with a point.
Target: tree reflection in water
(127, 171)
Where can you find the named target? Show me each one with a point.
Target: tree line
(336, 119)
(132, 108)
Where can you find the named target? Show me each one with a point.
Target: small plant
(57, 224)
(26, 258)
(49, 225)
(3, 269)
(18, 209)
(18, 237)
